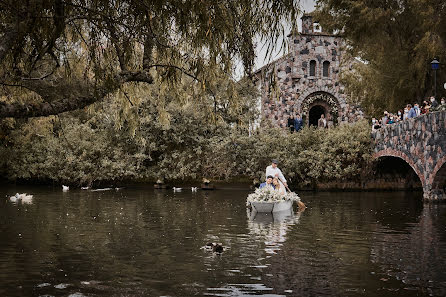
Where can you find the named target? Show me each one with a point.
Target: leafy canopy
(398, 39)
(62, 55)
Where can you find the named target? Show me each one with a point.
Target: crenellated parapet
(421, 142)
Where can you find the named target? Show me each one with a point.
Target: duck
(215, 247)
(102, 189)
(65, 188)
(85, 188)
(13, 199)
(177, 189)
(24, 198)
(193, 189)
(27, 199)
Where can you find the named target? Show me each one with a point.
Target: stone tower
(306, 80)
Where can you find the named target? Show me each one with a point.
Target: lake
(139, 241)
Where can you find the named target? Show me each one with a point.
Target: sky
(306, 6)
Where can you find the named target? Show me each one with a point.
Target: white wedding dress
(282, 189)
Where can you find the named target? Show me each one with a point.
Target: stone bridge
(421, 142)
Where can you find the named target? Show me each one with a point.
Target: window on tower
(326, 69)
(312, 68)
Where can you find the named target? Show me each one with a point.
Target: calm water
(142, 242)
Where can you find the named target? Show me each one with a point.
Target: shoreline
(377, 185)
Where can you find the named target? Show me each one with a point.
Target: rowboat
(272, 206)
(270, 217)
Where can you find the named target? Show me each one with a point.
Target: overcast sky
(306, 6)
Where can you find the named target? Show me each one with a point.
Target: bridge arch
(404, 157)
(438, 176)
(421, 142)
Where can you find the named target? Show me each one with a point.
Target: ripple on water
(77, 295)
(148, 244)
(62, 286)
(241, 290)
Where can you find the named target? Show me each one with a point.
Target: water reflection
(140, 242)
(271, 228)
(414, 255)
(267, 232)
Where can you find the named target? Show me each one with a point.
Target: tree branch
(184, 71)
(61, 95)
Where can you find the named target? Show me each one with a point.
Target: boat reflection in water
(272, 227)
(267, 232)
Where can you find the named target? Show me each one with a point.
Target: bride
(278, 185)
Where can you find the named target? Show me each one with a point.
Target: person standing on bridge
(412, 112)
(385, 118)
(434, 102)
(417, 109)
(425, 107)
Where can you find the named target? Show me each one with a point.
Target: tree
(396, 39)
(62, 55)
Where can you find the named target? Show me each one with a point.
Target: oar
(299, 203)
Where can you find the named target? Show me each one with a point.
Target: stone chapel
(306, 80)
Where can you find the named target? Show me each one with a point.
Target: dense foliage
(148, 90)
(181, 142)
(396, 41)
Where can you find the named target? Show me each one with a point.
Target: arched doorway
(318, 103)
(315, 114)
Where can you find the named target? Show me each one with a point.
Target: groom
(274, 171)
(268, 183)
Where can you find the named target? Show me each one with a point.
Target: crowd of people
(409, 112)
(295, 123)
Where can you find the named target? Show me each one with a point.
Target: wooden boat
(272, 206)
(273, 217)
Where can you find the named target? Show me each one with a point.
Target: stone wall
(287, 82)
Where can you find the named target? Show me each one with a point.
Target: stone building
(306, 80)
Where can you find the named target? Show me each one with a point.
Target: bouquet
(269, 194)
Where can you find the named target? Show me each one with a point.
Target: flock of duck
(193, 189)
(27, 199)
(24, 198)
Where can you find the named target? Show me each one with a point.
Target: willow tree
(396, 40)
(62, 55)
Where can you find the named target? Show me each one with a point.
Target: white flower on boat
(268, 194)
